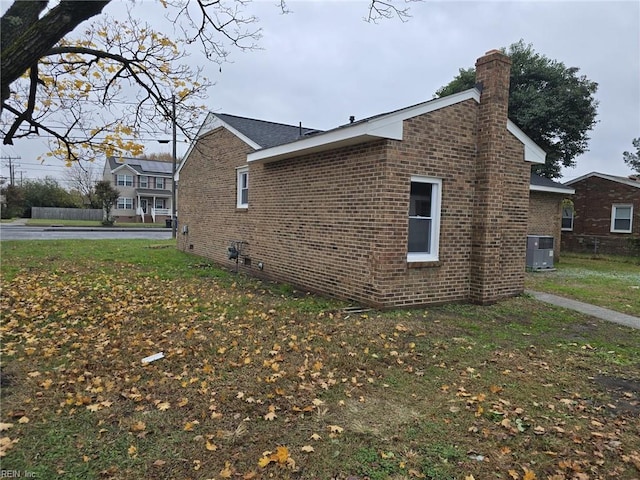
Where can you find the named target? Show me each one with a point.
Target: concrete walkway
(587, 309)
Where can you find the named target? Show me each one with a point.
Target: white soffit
(387, 126)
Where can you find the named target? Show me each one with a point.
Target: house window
(160, 183)
(124, 180)
(144, 181)
(567, 218)
(621, 218)
(424, 219)
(159, 202)
(125, 203)
(242, 195)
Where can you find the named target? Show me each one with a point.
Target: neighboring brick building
(427, 204)
(546, 199)
(606, 217)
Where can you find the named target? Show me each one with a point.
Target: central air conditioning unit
(539, 252)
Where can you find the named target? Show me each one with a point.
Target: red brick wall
(545, 217)
(207, 204)
(501, 184)
(593, 200)
(337, 221)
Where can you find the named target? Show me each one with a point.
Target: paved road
(21, 232)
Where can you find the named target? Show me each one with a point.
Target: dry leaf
(211, 447)
(307, 449)
(226, 472)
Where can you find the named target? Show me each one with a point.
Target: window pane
(420, 205)
(623, 213)
(244, 196)
(622, 224)
(419, 235)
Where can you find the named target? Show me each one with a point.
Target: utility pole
(12, 178)
(174, 220)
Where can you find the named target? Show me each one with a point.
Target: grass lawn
(607, 281)
(261, 381)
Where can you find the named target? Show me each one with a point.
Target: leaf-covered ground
(261, 381)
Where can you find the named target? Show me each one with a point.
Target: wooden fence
(54, 213)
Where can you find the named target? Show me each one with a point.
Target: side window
(424, 219)
(144, 181)
(621, 218)
(567, 218)
(242, 188)
(160, 183)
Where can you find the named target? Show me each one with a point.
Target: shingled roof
(266, 134)
(543, 184)
(141, 165)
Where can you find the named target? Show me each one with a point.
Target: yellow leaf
(163, 406)
(24, 419)
(270, 416)
(528, 475)
(226, 472)
(188, 427)
(132, 450)
(513, 474)
(469, 477)
(211, 446)
(282, 454)
(335, 429)
(264, 461)
(138, 427)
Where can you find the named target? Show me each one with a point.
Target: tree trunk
(27, 39)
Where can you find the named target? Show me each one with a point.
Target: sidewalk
(588, 309)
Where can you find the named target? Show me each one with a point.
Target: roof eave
(389, 126)
(532, 152)
(539, 188)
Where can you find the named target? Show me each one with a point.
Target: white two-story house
(145, 188)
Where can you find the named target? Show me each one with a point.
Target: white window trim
(240, 171)
(164, 183)
(124, 178)
(562, 217)
(436, 197)
(614, 209)
(146, 183)
(124, 202)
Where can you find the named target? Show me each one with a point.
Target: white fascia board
(532, 152)
(211, 122)
(565, 190)
(389, 126)
(624, 181)
(124, 165)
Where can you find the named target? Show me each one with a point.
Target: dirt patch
(625, 394)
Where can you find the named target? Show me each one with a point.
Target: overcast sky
(322, 63)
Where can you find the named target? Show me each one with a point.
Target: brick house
(145, 188)
(546, 201)
(426, 204)
(605, 217)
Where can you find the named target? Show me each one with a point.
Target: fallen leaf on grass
(307, 449)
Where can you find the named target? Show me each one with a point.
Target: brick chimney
(501, 188)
